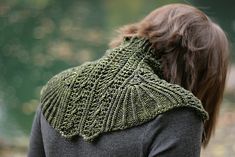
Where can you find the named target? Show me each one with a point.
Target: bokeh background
(39, 38)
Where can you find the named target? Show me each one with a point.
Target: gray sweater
(175, 133)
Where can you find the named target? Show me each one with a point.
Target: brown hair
(194, 53)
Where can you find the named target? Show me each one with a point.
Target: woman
(156, 92)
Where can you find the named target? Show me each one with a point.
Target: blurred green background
(39, 38)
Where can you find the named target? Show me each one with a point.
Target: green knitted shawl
(122, 89)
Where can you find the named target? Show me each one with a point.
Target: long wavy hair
(194, 53)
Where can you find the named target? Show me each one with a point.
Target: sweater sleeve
(179, 134)
(36, 148)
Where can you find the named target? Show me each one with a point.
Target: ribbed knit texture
(122, 89)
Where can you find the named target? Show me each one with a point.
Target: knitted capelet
(122, 89)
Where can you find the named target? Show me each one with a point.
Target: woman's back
(166, 135)
(150, 95)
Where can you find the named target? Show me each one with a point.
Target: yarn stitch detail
(122, 89)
